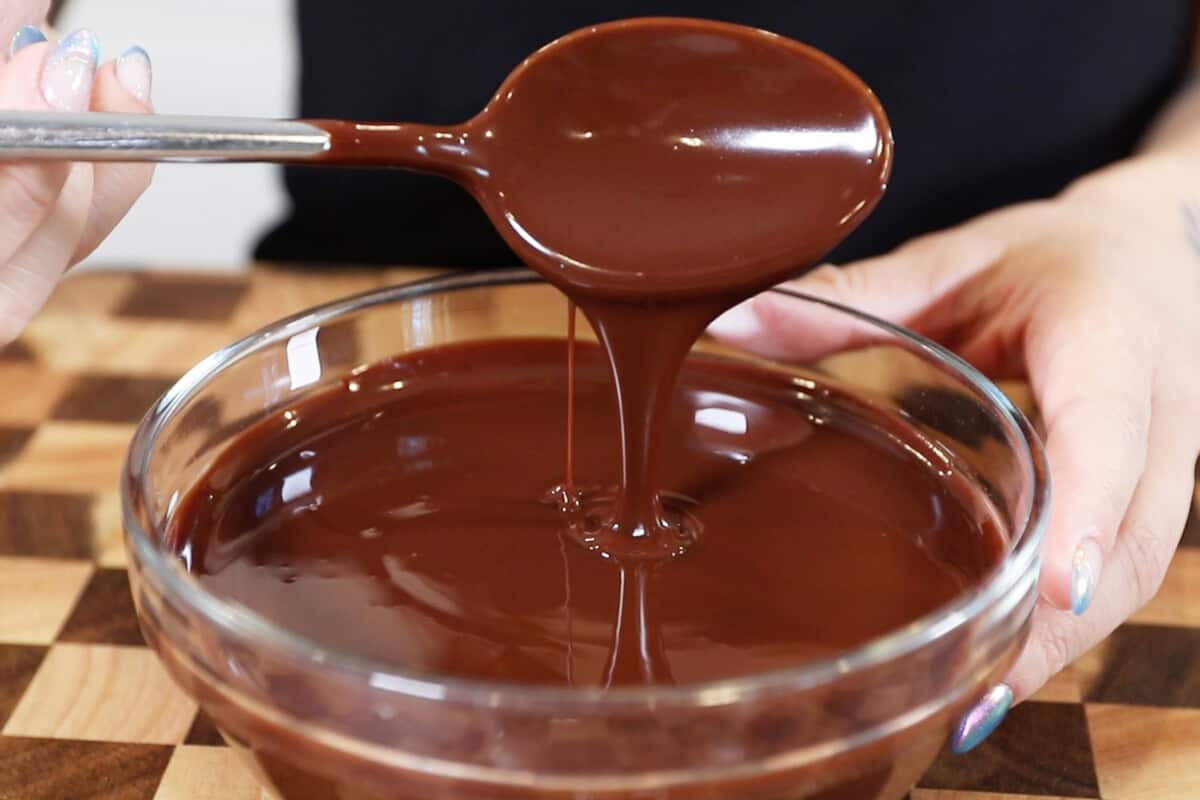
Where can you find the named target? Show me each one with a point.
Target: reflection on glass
(303, 359)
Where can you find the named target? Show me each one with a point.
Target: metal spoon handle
(93, 136)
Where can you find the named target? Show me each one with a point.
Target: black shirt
(991, 103)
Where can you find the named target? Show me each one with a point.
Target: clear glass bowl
(862, 726)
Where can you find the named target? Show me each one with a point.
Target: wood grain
(104, 613)
(1042, 748)
(97, 718)
(208, 773)
(102, 693)
(52, 769)
(45, 524)
(36, 595)
(70, 456)
(1148, 754)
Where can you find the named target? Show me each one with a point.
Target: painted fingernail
(69, 71)
(979, 723)
(1085, 573)
(135, 73)
(25, 36)
(739, 322)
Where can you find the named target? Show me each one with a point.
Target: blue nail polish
(135, 73)
(979, 723)
(69, 71)
(25, 36)
(137, 51)
(1083, 577)
(83, 42)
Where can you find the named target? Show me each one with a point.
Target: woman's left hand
(1094, 297)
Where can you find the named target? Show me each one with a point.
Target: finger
(913, 286)
(28, 192)
(1093, 383)
(29, 276)
(121, 86)
(38, 76)
(1134, 569)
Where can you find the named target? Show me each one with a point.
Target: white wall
(230, 57)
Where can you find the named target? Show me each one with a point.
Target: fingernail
(1085, 573)
(135, 73)
(70, 68)
(979, 723)
(25, 36)
(739, 322)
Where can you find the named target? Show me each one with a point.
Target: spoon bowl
(697, 154)
(656, 157)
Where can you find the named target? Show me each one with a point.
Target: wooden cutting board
(86, 710)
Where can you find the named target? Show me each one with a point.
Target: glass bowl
(861, 726)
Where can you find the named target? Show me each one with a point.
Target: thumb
(912, 286)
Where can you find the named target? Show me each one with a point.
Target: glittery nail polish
(979, 723)
(135, 73)
(69, 71)
(25, 36)
(1085, 572)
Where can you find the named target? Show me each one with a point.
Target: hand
(1095, 298)
(54, 214)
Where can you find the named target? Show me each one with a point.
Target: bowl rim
(245, 624)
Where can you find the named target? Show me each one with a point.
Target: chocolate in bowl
(318, 722)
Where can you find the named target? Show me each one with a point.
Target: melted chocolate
(659, 158)
(658, 171)
(411, 515)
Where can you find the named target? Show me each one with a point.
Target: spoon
(660, 157)
(656, 170)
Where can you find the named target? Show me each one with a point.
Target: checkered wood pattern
(86, 711)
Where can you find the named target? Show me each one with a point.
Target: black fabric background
(991, 103)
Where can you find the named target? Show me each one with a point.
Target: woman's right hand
(52, 214)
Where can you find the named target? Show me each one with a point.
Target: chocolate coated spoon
(651, 157)
(656, 170)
